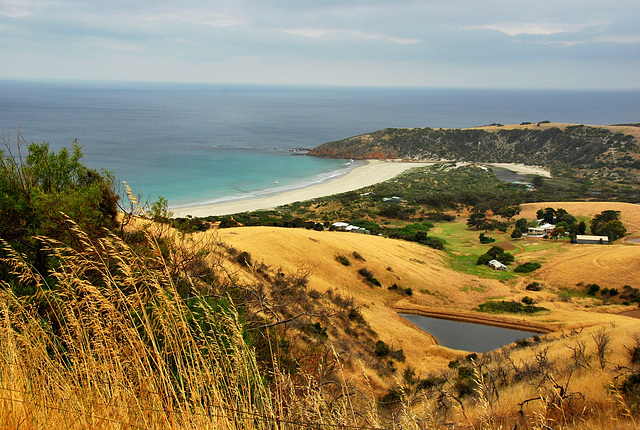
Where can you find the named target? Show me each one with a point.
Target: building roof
(588, 237)
(496, 263)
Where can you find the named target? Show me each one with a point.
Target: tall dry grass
(106, 342)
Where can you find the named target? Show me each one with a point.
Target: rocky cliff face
(578, 146)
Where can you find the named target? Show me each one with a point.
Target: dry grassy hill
(406, 264)
(574, 323)
(437, 288)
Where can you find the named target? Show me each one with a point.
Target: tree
(557, 232)
(564, 216)
(582, 227)
(476, 219)
(522, 224)
(613, 229)
(484, 259)
(549, 215)
(495, 250)
(516, 233)
(505, 258)
(159, 210)
(601, 219)
(508, 212)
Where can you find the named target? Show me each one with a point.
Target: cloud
(21, 8)
(541, 28)
(197, 17)
(425, 42)
(321, 32)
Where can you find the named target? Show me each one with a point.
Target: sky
(573, 44)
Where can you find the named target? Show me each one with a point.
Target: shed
(595, 240)
(340, 225)
(496, 265)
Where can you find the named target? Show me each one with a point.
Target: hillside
(573, 320)
(544, 144)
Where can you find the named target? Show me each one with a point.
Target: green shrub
(528, 300)
(484, 259)
(382, 350)
(527, 267)
(343, 260)
(512, 307)
(368, 275)
(534, 286)
(592, 289)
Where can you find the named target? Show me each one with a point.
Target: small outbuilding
(496, 265)
(340, 225)
(594, 240)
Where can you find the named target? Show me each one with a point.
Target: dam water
(467, 336)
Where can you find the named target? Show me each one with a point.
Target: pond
(467, 336)
(507, 175)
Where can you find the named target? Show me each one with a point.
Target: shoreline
(373, 172)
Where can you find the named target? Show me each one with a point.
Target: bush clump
(511, 307)
(486, 239)
(343, 260)
(527, 267)
(368, 276)
(534, 286)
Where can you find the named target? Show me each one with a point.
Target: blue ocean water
(199, 143)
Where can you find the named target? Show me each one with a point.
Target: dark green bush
(343, 260)
(382, 350)
(527, 267)
(509, 307)
(534, 286)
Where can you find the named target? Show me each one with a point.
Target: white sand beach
(523, 169)
(373, 172)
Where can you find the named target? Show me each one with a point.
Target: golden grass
(392, 261)
(111, 344)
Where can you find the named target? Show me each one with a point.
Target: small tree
(508, 212)
(582, 227)
(613, 229)
(477, 219)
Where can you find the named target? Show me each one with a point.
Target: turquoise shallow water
(210, 143)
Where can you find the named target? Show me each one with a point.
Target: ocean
(209, 143)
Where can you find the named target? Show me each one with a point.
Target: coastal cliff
(574, 145)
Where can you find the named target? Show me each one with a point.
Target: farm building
(340, 225)
(496, 265)
(540, 230)
(597, 240)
